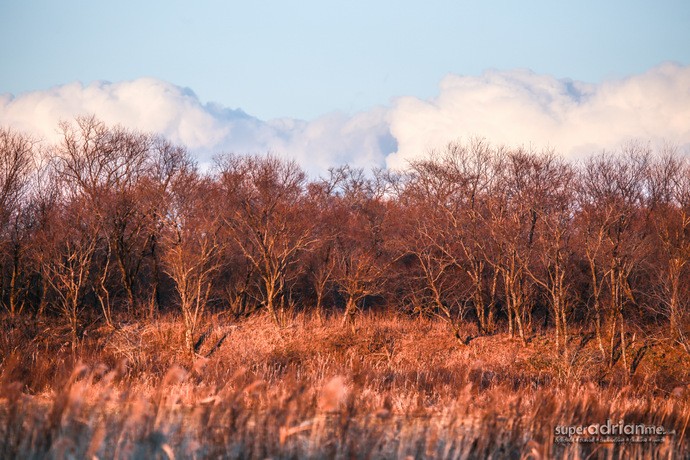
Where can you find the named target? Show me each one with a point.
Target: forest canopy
(112, 225)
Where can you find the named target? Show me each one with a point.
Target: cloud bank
(206, 129)
(522, 108)
(509, 107)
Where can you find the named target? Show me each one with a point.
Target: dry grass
(392, 388)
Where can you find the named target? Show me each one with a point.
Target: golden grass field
(389, 387)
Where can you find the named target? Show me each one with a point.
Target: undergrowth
(390, 387)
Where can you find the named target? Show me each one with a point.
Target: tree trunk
(14, 308)
(350, 311)
(189, 334)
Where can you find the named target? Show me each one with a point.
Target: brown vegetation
(394, 387)
(476, 291)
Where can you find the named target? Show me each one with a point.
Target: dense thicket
(112, 225)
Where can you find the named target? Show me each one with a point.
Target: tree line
(114, 225)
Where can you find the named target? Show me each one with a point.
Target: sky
(373, 83)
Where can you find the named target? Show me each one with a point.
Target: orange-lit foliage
(114, 244)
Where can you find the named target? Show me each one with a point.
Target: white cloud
(146, 104)
(513, 108)
(156, 106)
(361, 140)
(522, 108)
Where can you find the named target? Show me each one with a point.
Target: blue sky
(364, 81)
(303, 59)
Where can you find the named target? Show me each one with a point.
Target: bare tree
(16, 158)
(104, 166)
(432, 197)
(613, 206)
(167, 164)
(450, 189)
(512, 219)
(553, 200)
(192, 246)
(43, 213)
(324, 195)
(670, 196)
(267, 200)
(360, 254)
(71, 254)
